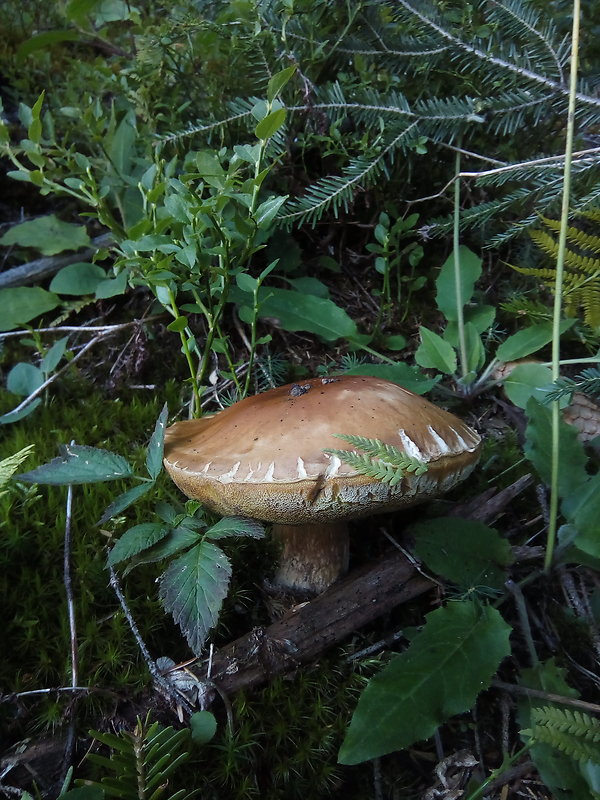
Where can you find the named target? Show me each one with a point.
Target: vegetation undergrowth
(239, 183)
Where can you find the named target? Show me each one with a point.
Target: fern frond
(378, 460)
(572, 732)
(334, 192)
(142, 761)
(586, 382)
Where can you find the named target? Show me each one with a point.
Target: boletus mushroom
(266, 457)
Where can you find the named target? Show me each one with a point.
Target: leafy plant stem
(560, 261)
(508, 762)
(185, 335)
(460, 321)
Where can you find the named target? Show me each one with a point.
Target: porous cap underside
(263, 457)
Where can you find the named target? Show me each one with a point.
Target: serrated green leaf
(465, 552)
(123, 501)
(441, 673)
(177, 539)
(470, 271)
(193, 589)
(135, 540)
(203, 725)
(80, 464)
(236, 526)
(154, 453)
(8, 466)
(435, 353)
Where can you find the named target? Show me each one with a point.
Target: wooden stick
(309, 629)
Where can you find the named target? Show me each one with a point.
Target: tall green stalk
(460, 320)
(560, 262)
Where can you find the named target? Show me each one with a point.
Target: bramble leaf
(193, 588)
(79, 464)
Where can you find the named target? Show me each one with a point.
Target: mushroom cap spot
(263, 457)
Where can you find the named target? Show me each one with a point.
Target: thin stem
(52, 378)
(460, 320)
(67, 578)
(560, 262)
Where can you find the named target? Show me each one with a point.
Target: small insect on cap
(267, 456)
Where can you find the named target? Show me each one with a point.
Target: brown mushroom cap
(263, 457)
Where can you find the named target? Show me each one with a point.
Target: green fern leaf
(380, 461)
(572, 732)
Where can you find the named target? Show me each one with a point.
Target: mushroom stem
(312, 557)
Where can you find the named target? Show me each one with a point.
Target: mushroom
(265, 457)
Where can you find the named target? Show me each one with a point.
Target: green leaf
(404, 375)
(474, 346)
(120, 145)
(560, 773)
(193, 589)
(80, 464)
(15, 416)
(135, 540)
(112, 286)
(267, 211)
(8, 466)
(529, 340)
(441, 673)
(270, 124)
(581, 506)
(178, 325)
(42, 41)
(246, 282)
(470, 271)
(204, 726)
(278, 81)
(22, 304)
(395, 343)
(528, 380)
(236, 526)
(435, 353)
(465, 552)
(538, 449)
(78, 279)
(77, 10)
(125, 500)
(301, 312)
(52, 358)
(23, 379)
(48, 234)
(154, 454)
(177, 539)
